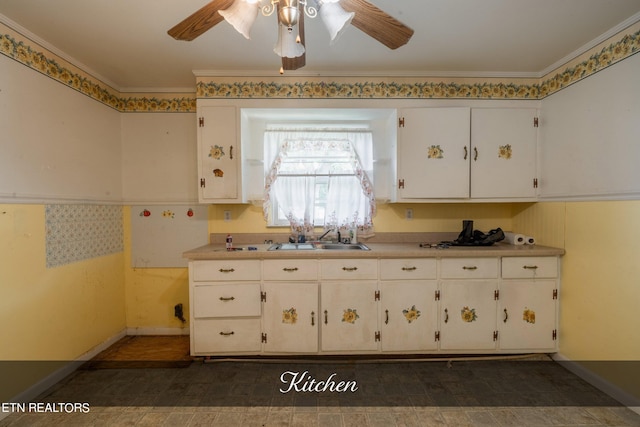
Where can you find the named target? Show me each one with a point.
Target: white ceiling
(125, 42)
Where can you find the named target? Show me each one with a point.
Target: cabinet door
(503, 157)
(433, 153)
(218, 155)
(468, 315)
(409, 315)
(528, 315)
(290, 319)
(349, 316)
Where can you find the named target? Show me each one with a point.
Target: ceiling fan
(336, 14)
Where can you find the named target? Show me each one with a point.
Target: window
(319, 178)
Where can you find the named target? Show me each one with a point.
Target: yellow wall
(600, 290)
(152, 293)
(434, 217)
(52, 313)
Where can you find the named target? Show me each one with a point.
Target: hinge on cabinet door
(264, 337)
(401, 183)
(495, 335)
(554, 334)
(400, 122)
(376, 296)
(200, 121)
(202, 183)
(263, 296)
(496, 295)
(535, 122)
(377, 336)
(437, 336)
(437, 296)
(535, 182)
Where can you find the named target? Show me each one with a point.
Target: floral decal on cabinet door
(504, 152)
(350, 315)
(289, 316)
(468, 314)
(435, 152)
(217, 152)
(529, 316)
(411, 314)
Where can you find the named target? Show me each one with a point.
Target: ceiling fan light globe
(241, 15)
(287, 45)
(335, 18)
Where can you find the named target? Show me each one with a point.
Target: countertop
(378, 250)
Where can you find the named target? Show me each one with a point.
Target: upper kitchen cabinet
(219, 166)
(460, 153)
(433, 153)
(503, 153)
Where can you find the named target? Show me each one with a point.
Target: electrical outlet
(227, 216)
(408, 214)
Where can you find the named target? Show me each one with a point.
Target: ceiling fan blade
(290, 64)
(378, 24)
(200, 21)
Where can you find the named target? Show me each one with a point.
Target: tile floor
(402, 393)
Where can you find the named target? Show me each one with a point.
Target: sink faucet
(329, 231)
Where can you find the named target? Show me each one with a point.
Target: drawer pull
(472, 267)
(409, 268)
(225, 299)
(290, 270)
(446, 315)
(226, 334)
(313, 318)
(506, 316)
(226, 270)
(530, 267)
(349, 268)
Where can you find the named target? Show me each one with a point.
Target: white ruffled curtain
(347, 205)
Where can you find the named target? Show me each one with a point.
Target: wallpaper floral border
(618, 48)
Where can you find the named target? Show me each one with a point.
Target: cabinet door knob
(506, 316)
(325, 317)
(475, 154)
(386, 320)
(313, 318)
(446, 315)
(466, 152)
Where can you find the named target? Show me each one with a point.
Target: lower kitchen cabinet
(468, 315)
(349, 316)
(290, 317)
(409, 316)
(490, 304)
(527, 315)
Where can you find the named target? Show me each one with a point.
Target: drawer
(409, 268)
(529, 267)
(226, 335)
(290, 269)
(469, 268)
(225, 270)
(348, 269)
(226, 300)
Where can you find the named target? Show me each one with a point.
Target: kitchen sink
(345, 246)
(311, 246)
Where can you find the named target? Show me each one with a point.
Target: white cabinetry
(225, 307)
(433, 153)
(290, 320)
(408, 307)
(468, 307)
(527, 307)
(461, 153)
(219, 171)
(349, 305)
(503, 150)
